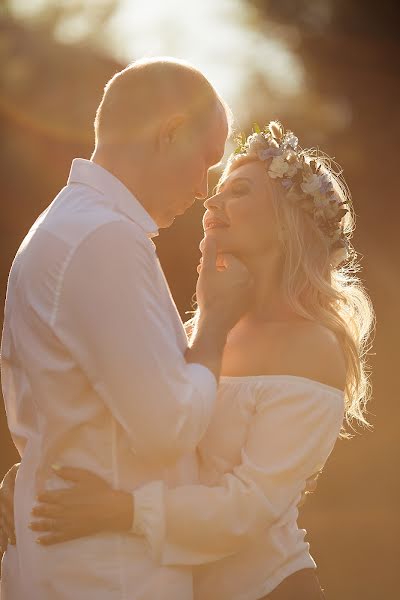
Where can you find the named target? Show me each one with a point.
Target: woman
(293, 368)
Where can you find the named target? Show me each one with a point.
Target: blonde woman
(293, 374)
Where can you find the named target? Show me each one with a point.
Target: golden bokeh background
(329, 70)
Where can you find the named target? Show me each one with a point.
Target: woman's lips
(214, 224)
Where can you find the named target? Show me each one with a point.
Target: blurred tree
(350, 52)
(48, 96)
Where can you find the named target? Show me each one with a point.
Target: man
(96, 370)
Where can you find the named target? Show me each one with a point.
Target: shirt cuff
(149, 515)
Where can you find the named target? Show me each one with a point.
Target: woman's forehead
(254, 171)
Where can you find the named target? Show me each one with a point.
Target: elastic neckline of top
(233, 378)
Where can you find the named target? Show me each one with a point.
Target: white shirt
(238, 529)
(94, 376)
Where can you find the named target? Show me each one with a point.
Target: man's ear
(170, 129)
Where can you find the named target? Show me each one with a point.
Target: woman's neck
(269, 303)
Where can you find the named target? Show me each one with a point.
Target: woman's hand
(7, 528)
(90, 506)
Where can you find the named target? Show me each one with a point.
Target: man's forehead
(217, 136)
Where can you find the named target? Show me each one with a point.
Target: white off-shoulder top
(238, 527)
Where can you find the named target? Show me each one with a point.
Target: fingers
(47, 510)
(48, 525)
(208, 249)
(55, 538)
(76, 475)
(53, 496)
(231, 262)
(69, 533)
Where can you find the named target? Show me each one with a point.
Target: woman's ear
(170, 130)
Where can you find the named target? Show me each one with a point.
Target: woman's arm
(289, 439)
(89, 506)
(194, 524)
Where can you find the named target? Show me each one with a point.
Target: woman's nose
(214, 202)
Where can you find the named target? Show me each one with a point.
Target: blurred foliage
(349, 50)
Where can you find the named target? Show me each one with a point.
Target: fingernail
(56, 467)
(38, 541)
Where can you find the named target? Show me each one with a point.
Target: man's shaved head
(160, 128)
(147, 91)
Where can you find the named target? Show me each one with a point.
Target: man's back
(60, 383)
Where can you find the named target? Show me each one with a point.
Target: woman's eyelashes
(239, 190)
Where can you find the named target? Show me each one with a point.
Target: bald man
(96, 368)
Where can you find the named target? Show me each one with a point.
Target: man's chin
(166, 221)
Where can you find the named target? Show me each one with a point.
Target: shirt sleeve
(286, 444)
(118, 328)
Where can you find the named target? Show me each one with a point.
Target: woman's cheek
(245, 215)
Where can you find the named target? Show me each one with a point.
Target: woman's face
(241, 215)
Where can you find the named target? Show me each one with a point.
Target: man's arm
(115, 324)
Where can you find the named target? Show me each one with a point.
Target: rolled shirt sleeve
(112, 315)
(287, 443)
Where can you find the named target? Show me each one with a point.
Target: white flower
(291, 140)
(311, 185)
(266, 153)
(293, 168)
(255, 141)
(278, 167)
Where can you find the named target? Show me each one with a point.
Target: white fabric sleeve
(119, 330)
(288, 442)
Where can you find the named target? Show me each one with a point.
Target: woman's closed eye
(239, 190)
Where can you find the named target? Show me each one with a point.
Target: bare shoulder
(313, 351)
(301, 348)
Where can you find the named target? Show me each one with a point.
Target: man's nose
(202, 191)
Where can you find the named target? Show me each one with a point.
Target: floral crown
(301, 175)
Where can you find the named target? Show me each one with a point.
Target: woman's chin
(217, 232)
(222, 243)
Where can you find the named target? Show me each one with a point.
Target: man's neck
(114, 163)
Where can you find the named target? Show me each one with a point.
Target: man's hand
(223, 295)
(224, 285)
(7, 528)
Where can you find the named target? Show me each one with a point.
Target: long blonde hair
(320, 290)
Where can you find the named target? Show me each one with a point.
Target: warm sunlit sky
(221, 37)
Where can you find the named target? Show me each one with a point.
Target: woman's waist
(259, 559)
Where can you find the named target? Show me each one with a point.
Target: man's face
(185, 168)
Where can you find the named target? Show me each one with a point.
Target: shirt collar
(91, 174)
